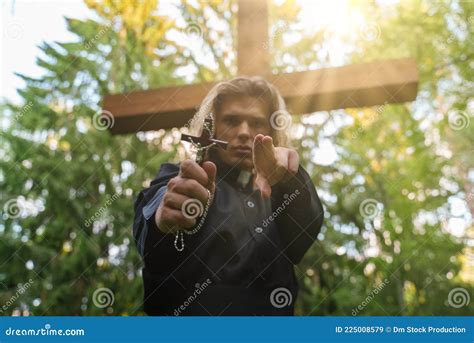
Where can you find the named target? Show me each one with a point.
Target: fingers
(270, 169)
(211, 170)
(263, 186)
(174, 200)
(258, 152)
(178, 210)
(191, 189)
(191, 170)
(272, 164)
(186, 196)
(193, 180)
(263, 152)
(269, 149)
(170, 220)
(263, 146)
(293, 161)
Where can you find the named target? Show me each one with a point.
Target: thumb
(210, 169)
(264, 186)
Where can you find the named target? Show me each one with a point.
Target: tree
(385, 248)
(68, 184)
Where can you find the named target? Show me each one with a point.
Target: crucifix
(205, 141)
(358, 85)
(190, 208)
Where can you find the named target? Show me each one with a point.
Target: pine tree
(68, 185)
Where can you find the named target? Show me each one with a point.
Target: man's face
(238, 121)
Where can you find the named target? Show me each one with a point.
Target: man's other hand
(272, 164)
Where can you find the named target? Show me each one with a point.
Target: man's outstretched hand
(272, 164)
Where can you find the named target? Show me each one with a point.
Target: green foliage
(57, 155)
(395, 157)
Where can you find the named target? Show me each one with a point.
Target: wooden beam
(161, 108)
(252, 38)
(358, 85)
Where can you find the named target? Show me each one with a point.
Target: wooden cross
(358, 85)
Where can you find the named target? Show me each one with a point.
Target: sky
(25, 25)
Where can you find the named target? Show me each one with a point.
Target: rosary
(192, 208)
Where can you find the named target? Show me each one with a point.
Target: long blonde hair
(255, 87)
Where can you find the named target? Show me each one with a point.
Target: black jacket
(241, 261)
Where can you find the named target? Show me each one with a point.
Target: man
(264, 213)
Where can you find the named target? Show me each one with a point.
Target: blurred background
(396, 180)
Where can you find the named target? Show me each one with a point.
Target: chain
(199, 159)
(179, 233)
(200, 150)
